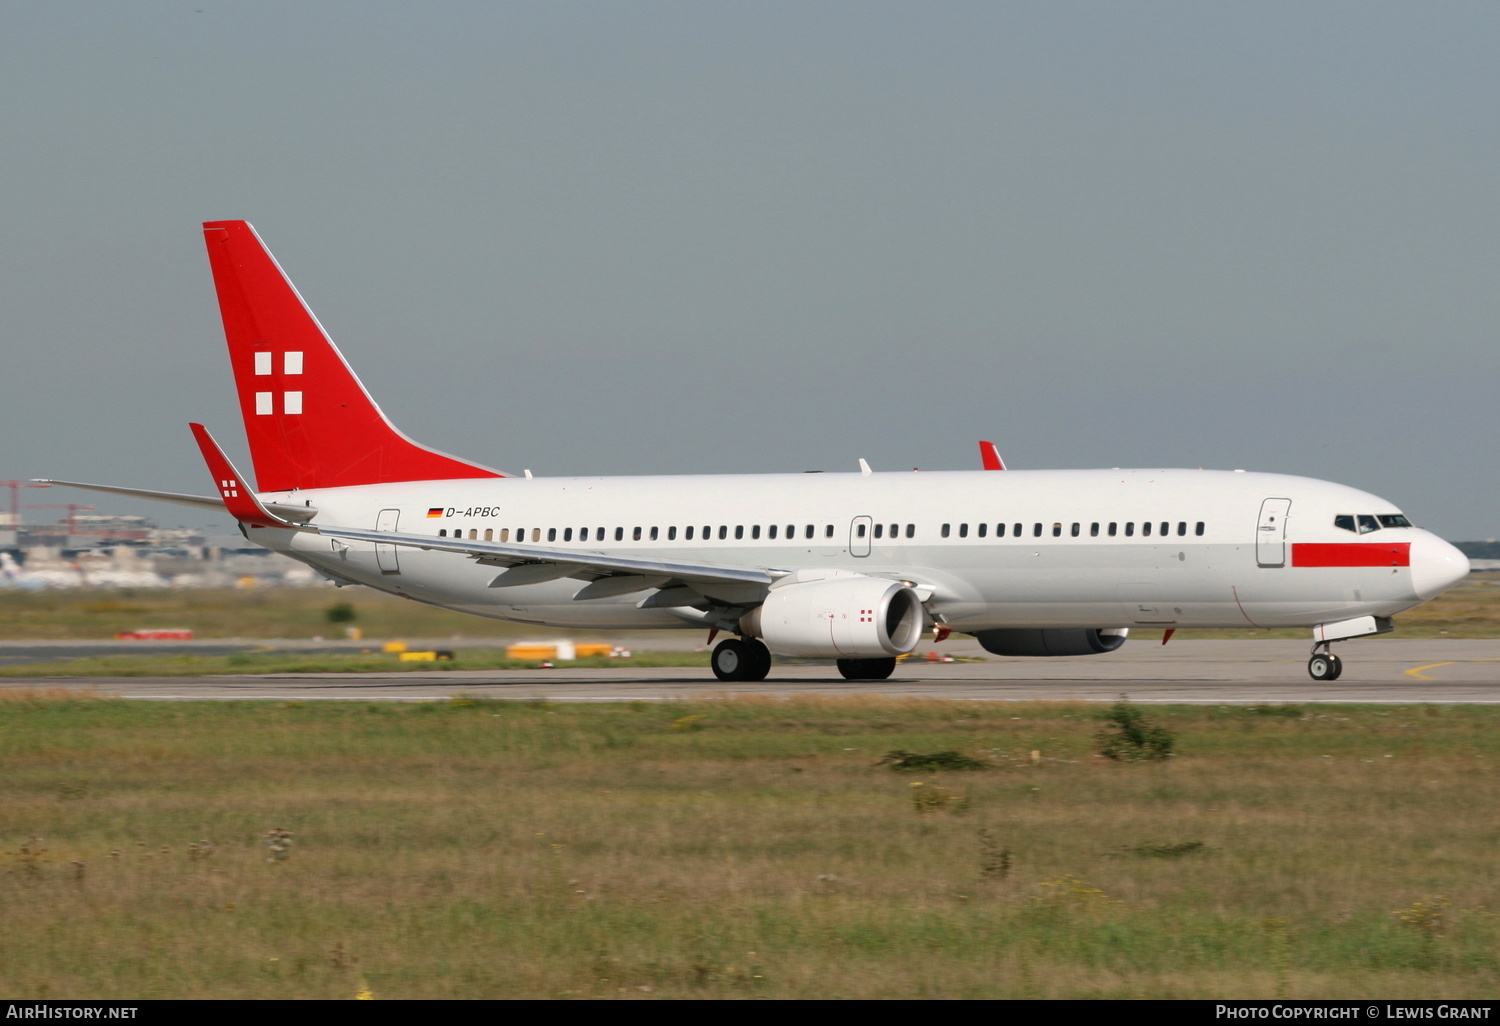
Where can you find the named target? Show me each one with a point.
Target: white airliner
(852, 567)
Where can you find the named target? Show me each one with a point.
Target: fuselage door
(1270, 533)
(859, 536)
(385, 555)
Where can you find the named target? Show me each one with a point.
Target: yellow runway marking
(1416, 671)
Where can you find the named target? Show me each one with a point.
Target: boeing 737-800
(852, 567)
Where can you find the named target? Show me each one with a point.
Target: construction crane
(15, 498)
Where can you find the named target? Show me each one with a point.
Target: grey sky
(695, 237)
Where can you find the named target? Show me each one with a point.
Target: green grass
(744, 848)
(321, 662)
(238, 613)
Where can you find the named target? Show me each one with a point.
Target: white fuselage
(1079, 548)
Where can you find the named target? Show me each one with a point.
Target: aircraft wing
(531, 564)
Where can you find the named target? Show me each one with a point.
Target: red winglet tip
(989, 456)
(238, 498)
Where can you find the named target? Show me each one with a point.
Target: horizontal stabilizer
(211, 502)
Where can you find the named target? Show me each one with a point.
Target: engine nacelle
(837, 614)
(1052, 641)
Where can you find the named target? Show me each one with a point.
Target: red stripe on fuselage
(1351, 554)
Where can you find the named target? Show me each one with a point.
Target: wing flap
(584, 564)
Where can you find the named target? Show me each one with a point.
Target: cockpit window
(1367, 524)
(1344, 521)
(1393, 520)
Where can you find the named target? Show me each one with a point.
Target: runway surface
(1200, 672)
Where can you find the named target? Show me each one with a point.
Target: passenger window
(1074, 531)
(1017, 530)
(1166, 528)
(1130, 529)
(708, 532)
(1057, 530)
(791, 531)
(653, 534)
(1113, 526)
(771, 532)
(443, 534)
(1367, 524)
(723, 532)
(505, 534)
(999, 530)
(1199, 529)
(754, 531)
(879, 530)
(619, 534)
(1093, 530)
(963, 530)
(552, 534)
(1036, 530)
(895, 530)
(1181, 528)
(809, 530)
(671, 534)
(739, 531)
(1146, 529)
(983, 529)
(828, 531)
(599, 534)
(687, 533)
(946, 529)
(536, 534)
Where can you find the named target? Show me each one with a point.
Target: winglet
(238, 498)
(990, 456)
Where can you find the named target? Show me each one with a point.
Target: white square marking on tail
(262, 404)
(262, 363)
(291, 402)
(291, 363)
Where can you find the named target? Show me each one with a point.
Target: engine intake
(837, 614)
(1052, 641)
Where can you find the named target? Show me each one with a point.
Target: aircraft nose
(1436, 566)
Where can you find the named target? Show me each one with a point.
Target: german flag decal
(435, 511)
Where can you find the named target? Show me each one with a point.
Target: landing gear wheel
(1324, 667)
(760, 660)
(737, 659)
(867, 669)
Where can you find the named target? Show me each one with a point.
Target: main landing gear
(1324, 665)
(867, 669)
(741, 659)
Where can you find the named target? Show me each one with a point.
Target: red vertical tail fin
(309, 421)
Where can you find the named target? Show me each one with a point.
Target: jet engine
(1052, 641)
(837, 614)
